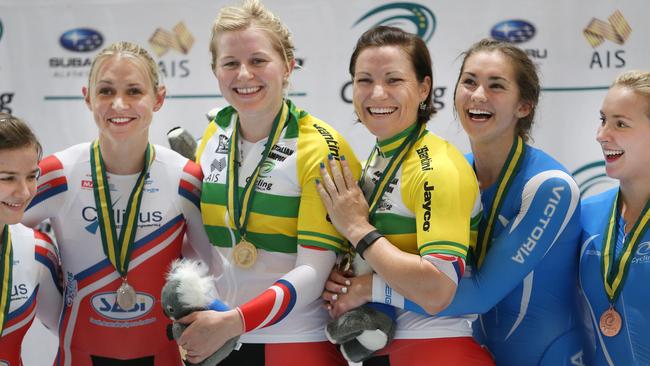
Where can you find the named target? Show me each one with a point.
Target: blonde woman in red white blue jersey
(29, 266)
(121, 209)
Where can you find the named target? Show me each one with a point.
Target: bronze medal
(610, 322)
(126, 296)
(244, 254)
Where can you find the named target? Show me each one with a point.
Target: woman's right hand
(344, 292)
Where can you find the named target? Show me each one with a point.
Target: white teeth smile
(119, 120)
(15, 205)
(248, 90)
(613, 152)
(385, 110)
(479, 112)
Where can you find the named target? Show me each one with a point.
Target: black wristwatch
(368, 240)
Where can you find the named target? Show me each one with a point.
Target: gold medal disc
(610, 322)
(244, 254)
(126, 296)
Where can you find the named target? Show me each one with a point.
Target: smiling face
(386, 92)
(18, 173)
(488, 99)
(251, 73)
(123, 100)
(624, 134)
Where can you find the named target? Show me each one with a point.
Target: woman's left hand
(208, 331)
(344, 200)
(344, 298)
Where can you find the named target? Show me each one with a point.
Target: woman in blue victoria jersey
(615, 254)
(523, 268)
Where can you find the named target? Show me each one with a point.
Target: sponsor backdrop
(46, 48)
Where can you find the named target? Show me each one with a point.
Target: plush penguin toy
(364, 330)
(189, 288)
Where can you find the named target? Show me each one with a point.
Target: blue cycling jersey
(526, 287)
(631, 346)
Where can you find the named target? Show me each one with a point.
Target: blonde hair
(253, 13)
(638, 81)
(126, 49)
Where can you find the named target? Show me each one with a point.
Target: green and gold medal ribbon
(117, 249)
(239, 205)
(614, 269)
(6, 264)
(506, 177)
(398, 154)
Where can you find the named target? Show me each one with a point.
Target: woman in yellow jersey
(422, 195)
(260, 157)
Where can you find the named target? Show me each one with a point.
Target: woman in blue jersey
(414, 230)
(523, 267)
(615, 254)
(30, 282)
(260, 156)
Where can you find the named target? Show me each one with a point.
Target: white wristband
(384, 294)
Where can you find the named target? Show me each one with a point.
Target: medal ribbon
(391, 169)
(117, 249)
(506, 177)
(239, 205)
(614, 269)
(6, 262)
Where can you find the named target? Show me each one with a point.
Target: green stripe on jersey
(389, 223)
(264, 203)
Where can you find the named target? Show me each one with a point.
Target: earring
(423, 106)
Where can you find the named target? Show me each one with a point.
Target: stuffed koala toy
(188, 289)
(364, 330)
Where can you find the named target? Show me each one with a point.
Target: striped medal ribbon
(239, 204)
(506, 177)
(6, 264)
(391, 169)
(118, 248)
(615, 270)
(396, 160)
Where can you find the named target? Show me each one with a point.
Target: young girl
(30, 282)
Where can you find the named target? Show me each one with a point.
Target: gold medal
(244, 254)
(126, 296)
(610, 322)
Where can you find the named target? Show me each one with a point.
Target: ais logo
(592, 177)
(105, 304)
(617, 30)
(411, 17)
(81, 40)
(514, 31)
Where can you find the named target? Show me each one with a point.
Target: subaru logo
(81, 40)
(105, 304)
(514, 31)
(411, 17)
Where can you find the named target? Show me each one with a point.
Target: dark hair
(525, 76)
(15, 134)
(412, 45)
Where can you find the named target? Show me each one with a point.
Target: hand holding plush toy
(364, 330)
(189, 289)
